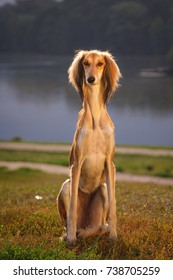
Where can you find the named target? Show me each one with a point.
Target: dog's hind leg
(98, 208)
(96, 220)
(63, 205)
(92, 210)
(63, 201)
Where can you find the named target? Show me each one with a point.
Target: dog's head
(94, 67)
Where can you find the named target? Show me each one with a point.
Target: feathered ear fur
(111, 76)
(76, 72)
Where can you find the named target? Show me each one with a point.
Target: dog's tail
(92, 232)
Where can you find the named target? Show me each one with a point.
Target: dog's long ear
(111, 76)
(76, 72)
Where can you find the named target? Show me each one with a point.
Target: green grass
(30, 228)
(145, 165)
(59, 158)
(135, 164)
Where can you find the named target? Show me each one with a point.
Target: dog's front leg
(72, 217)
(112, 219)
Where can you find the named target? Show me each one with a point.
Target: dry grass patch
(30, 227)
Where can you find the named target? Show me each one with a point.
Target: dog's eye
(86, 63)
(100, 64)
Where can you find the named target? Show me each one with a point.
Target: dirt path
(55, 169)
(66, 148)
(48, 168)
(35, 147)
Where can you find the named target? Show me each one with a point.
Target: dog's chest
(94, 144)
(97, 140)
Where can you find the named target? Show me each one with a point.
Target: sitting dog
(86, 201)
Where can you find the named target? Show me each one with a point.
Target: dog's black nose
(91, 79)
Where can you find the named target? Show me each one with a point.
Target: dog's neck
(93, 103)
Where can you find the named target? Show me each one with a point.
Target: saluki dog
(86, 201)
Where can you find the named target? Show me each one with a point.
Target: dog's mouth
(93, 84)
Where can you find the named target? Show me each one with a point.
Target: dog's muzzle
(91, 80)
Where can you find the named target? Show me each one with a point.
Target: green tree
(127, 24)
(158, 35)
(8, 29)
(170, 57)
(50, 26)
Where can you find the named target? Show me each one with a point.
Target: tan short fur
(86, 202)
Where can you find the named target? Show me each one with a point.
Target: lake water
(38, 104)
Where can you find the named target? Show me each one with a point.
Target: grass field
(135, 164)
(30, 227)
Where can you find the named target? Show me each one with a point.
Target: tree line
(60, 27)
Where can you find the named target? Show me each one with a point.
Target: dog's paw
(71, 235)
(72, 242)
(113, 234)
